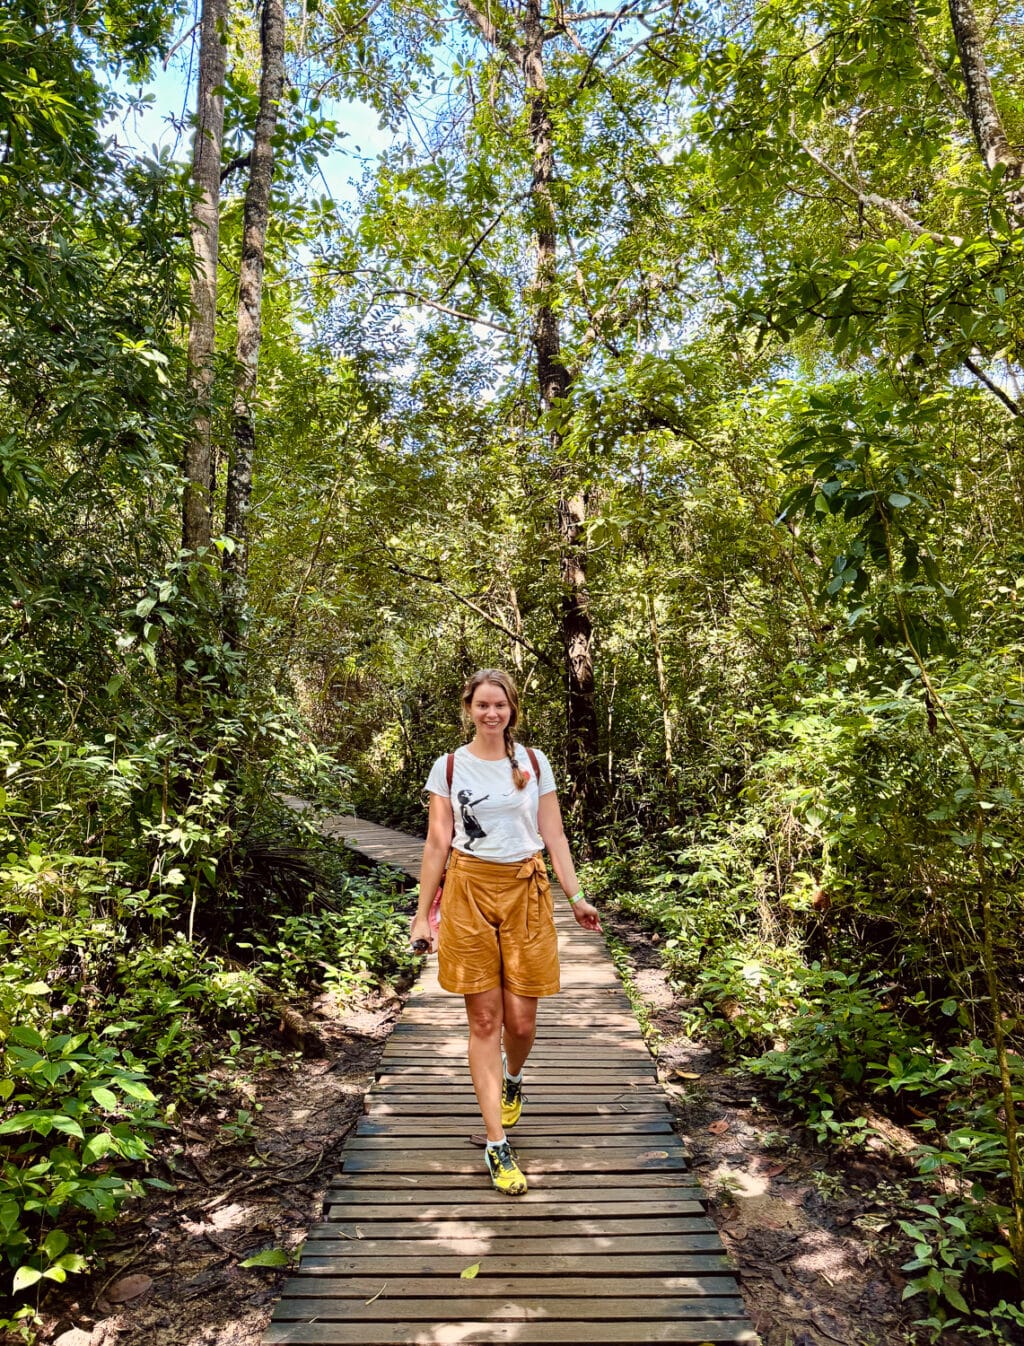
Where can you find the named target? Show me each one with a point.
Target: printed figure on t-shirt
(474, 832)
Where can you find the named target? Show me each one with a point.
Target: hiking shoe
(511, 1101)
(506, 1175)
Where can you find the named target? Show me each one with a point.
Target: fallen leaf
(773, 1170)
(128, 1287)
(719, 1128)
(654, 1154)
(683, 1075)
(469, 1273)
(270, 1257)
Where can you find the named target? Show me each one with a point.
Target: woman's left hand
(586, 916)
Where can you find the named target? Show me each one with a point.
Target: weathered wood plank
(528, 1126)
(528, 1333)
(403, 1248)
(511, 1212)
(484, 1308)
(438, 1263)
(603, 1226)
(543, 1186)
(523, 1141)
(513, 1287)
(454, 1164)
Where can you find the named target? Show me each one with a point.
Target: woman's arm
(435, 857)
(549, 824)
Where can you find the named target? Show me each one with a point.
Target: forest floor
(811, 1231)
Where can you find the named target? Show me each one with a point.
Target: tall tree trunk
(986, 123)
(553, 380)
(666, 706)
(250, 301)
(206, 164)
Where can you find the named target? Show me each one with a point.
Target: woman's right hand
(419, 931)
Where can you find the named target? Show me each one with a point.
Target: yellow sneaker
(506, 1175)
(511, 1101)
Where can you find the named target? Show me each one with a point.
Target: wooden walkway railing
(610, 1244)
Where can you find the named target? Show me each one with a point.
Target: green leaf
(105, 1098)
(469, 1273)
(97, 1146)
(24, 1277)
(270, 1257)
(898, 500)
(55, 1243)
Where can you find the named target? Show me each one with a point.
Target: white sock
(514, 1079)
(493, 1144)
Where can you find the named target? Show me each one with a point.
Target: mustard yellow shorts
(497, 927)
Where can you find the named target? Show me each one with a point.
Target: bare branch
(242, 161)
(452, 312)
(938, 74)
(994, 388)
(179, 44)
(892, 208)
(473, 607)
(473, 250)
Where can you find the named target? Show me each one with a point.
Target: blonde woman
(493, 807)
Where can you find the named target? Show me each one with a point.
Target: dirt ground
(811, 1234)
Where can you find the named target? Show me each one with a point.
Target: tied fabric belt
(531, 871)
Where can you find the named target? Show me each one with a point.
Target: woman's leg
(484, 1012)
(520, 1016)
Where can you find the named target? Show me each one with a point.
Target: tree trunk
(250, 300)
(553, 380)
(986, 123)
(206, 161)
(666, 706)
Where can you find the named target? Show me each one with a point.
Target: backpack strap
(449, 771)
(536, 765)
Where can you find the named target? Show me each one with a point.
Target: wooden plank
(602, 1227)
(396, 1106)
(528, 1333)
(594, 1199)
(546, 1186)
(540, 1162)
(594, 1212)
(509, 1287)
(527, 1126)
(581, 1139)
(484, 1308)
(438, 1263)
(402, 1250)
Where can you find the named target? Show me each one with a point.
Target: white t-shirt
(493, 820)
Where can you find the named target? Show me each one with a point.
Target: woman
(497, 944)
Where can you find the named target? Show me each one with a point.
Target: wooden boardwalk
(610, 1244)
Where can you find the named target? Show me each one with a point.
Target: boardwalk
(610, 1244)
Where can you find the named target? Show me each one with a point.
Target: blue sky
(172, 93)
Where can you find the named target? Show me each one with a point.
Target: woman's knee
(485, 1015)
(521, 1019)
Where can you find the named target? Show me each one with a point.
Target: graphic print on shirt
(471, 823)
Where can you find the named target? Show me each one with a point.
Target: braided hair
(499, 678)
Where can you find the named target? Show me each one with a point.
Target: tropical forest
(666, 354)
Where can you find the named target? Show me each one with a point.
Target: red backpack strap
(449, 770)
(536, 765)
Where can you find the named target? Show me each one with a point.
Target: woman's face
(489, 710)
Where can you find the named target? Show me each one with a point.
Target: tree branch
(993, 388)
(488, 30)
(452, 312)
(242, 161)
(882, 203)
(474, 607)
(473, 250)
